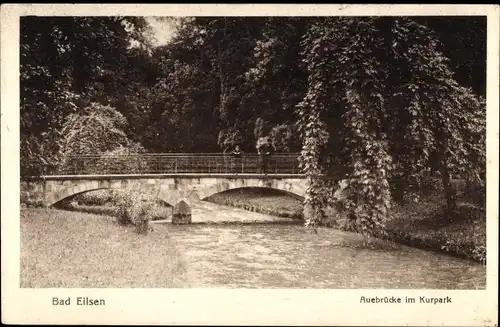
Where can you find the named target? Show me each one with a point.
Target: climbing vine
(382, 101)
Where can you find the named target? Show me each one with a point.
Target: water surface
(290, 256)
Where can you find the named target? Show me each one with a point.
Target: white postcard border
(220, 306)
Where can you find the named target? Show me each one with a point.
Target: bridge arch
(292, 188)
(81, 187)
(58, 194)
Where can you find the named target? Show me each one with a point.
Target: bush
(431, 186)
(479, 253)
(475, 194)
(137, 209)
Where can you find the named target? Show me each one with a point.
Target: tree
(468, 32)
(185, 97)
(262, 128)
(278, 81)
(204, 71)
(383, 102)
(285, 138)
(229, 139)
(66, 63)
(96, 130)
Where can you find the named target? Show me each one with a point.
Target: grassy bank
(72, 249)
(109, 210)
(424, 225)
(261, 200)
(419, 224)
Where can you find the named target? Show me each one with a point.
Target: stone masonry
(172, 189)
(181, 214)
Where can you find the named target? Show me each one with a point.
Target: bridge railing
(181, 163)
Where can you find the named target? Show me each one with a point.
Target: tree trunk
(398, 187)
(449, 191)
(223, 91)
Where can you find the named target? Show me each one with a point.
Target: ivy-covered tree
(383, 102)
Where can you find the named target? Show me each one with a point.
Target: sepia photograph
(252, 152)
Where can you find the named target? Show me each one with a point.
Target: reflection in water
(289, 256)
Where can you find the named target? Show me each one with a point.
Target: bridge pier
(181, 214)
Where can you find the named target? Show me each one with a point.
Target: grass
(267, 201)
(72, 249)
(106, 210)
(425, 225)
(421, 224)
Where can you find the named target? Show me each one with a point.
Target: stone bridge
(171, 188)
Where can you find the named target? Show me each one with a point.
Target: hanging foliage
(387, 107)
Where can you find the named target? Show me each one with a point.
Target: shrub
(476, 194)
(137, 209)
(431, 186)
(479, 253)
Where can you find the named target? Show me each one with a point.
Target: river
(290, 256)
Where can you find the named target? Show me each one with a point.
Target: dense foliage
(385, 101)
(68, 63)
(137, 209)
